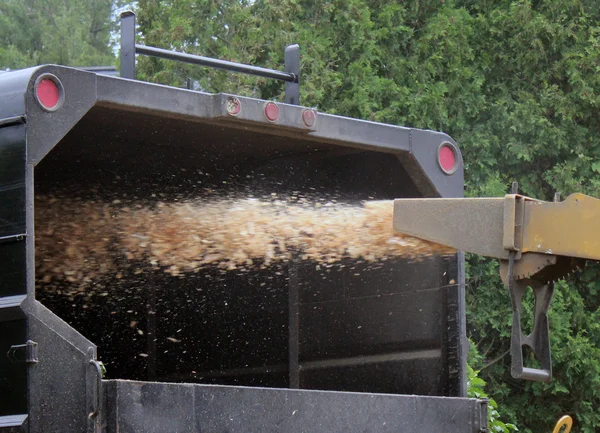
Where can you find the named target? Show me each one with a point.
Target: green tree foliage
(515, 82)
(66, 32)
(538, 126)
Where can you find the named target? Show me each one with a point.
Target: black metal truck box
(105, 187)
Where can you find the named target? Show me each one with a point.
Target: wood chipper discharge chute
(537, 243)
(212, 239)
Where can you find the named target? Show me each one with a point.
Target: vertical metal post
(128, 45)
(151, 337)
(293, 325)
(292, 65)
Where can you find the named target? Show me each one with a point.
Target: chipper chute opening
(179, 248)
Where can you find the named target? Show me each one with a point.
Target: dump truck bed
(108, 167)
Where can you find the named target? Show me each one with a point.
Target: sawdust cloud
(81, 241)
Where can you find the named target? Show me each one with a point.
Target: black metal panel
(13, 376)
(12, 181)
(155, 407)
(49, 127)
(423, 147)
(373, 305)
(32, 387)
(398, 276)
(13, 284)
(226, 327)
(363, 324)
(435, 419)
(417, 372)
(13, 86)
(356, 327)
(13, 271)
(58, 382)
(234, 330)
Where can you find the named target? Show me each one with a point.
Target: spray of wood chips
(81, 241)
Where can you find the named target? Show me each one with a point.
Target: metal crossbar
(291, 75)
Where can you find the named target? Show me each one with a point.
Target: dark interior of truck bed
(353, 325)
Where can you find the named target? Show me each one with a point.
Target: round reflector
(447, 158)
(49, 92)
(272, 111)
(309, 118)
(234, 106)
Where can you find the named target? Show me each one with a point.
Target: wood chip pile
(81, 241)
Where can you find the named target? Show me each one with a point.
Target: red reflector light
(447, 158)
(272, 111)
(48, 93)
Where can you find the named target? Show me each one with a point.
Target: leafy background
(516, 83)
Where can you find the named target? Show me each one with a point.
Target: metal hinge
(483, 416)
(27, 353)
(94, 392)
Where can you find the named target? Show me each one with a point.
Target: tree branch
(492, 362)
